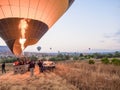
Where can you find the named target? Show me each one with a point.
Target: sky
(93, 24)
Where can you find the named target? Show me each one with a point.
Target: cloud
(107, 35)
(102, 41)
(117, 40)
(112, 35)
(115, 36)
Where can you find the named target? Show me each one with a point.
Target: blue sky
(87, 24)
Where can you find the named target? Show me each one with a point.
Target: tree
(105, 60)
(117, 54)
(109, 55)
(81, 55)
(97, 55)
(67, 57)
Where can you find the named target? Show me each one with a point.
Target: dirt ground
(40, 81)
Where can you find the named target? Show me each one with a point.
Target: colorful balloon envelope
(24, 22)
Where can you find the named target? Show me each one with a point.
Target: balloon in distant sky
(89, 48)
(38, 48)
(24, 22)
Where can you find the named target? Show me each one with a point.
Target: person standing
(40, 64)
(3, 68)
(32, 66)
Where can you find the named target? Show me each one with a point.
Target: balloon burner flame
(23, 26)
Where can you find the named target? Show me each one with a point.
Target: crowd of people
(31, 64)
(26, 61)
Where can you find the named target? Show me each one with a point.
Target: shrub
(67, 57)
(8, 60)
(91, 61)
(60, 57)
(105, 60)
(43, 59)
(34, 58)
(82, 58)
(75, 58)
(115, 61)
(53, 59)
(57, 59)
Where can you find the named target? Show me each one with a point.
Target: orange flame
(22, 42)
(23, 26)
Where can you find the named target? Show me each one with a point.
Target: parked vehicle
(49, 65)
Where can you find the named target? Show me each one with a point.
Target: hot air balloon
(38, 48)
(24, 22)
(89, 48)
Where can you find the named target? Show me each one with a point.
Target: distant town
(5, 51)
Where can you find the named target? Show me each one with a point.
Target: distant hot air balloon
(24, 22)
(38, 48)
(89, 48)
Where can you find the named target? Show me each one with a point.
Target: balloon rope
(52, 13)
(2, 11)
(19, 9)
(10, 7)
(52, 17)
(44, 9)
(28, 9)
(35, 13)
(41, 26)
(36, 9)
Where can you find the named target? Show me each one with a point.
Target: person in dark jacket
(40, 64)
(3, 68)
(32, 66)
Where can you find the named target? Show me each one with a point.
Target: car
(48, 65)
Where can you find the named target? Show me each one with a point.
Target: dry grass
(90, 77)
(71, 75)
(43, 81)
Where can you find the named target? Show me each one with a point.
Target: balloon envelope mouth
(11, 33)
